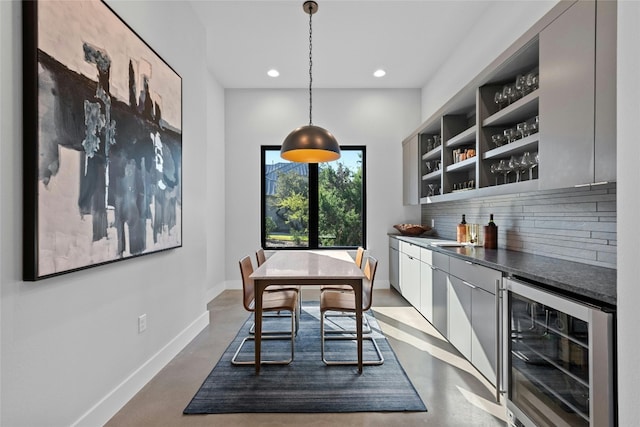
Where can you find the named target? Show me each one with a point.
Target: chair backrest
(359, 256)
(246, 268)
(260, 257)
(367, 285)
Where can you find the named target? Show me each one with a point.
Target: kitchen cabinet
(566, 115)
(459, 315)
(410, 195)
(426, 285)
(440, 295)
(567, 100)
(410, 273)
(394, 263)
(472, 314)
(433, 287)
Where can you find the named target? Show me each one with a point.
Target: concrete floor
(454, 393)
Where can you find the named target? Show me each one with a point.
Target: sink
(442, 243)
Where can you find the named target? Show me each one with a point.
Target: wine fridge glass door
(553, 359)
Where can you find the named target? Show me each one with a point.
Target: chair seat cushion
(344, 288)
(338, 301)
(281, 300)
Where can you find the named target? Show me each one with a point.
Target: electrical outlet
(142, 323)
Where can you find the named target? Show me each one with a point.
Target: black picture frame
(102, 149)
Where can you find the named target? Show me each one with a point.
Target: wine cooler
(558, 359)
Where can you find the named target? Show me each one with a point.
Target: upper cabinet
(541, 116)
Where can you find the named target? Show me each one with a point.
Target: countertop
(587, 283)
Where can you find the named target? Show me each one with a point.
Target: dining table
(307, 268)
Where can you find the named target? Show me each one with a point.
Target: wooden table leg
(259, 290)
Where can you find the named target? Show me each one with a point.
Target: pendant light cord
(310, 66)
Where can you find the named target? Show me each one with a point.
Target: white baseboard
(109, 405)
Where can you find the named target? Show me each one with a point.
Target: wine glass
(532, 81)
(533, 164)
(510, 93)
(510, 135)
(432, 190)
(522, 130)
(498, 140)
(514, 166)
(495, 170)
(526, 162)
(505, 170)
(534, 125)
(499, 99)
(521, 85)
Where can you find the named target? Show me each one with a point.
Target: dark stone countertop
(584, 282)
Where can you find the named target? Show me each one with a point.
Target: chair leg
(366, 327)
(379, 361)
(291, 335)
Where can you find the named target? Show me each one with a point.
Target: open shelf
(529, 143)
(463, 165)
(433, 154)
(463, 138)
(523, 109)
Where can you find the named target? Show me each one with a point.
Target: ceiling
(351, 39)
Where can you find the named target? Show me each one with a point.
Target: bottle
(491, 234)
(461, 234)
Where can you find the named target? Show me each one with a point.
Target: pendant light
(310, 144)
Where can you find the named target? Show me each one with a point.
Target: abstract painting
(102, 141)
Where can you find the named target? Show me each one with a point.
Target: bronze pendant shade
(310, 144)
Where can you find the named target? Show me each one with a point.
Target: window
(310, 205)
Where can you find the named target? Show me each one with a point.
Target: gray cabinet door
(410, 172)
(394, 268)
(410, 279)
(426, 290)
(440, 285)
(460, 316)
(567, 98)
(484, 333)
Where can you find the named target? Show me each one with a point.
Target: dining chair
(345, 302)
(274, 301)
(346, 288)
(261, 258)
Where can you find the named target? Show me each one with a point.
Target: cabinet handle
(469, 284)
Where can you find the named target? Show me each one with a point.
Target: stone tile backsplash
(576, 224)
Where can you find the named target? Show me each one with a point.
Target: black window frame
(314, 210)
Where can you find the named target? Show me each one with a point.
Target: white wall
(628, 110)
(379, 119)
(481, 46)
(70, 350)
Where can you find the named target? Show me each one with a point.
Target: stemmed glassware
(532, 81)
(530, 161)
(505, 169)
(495, 170)
(515, 166)
(432, 189)
(521, 85)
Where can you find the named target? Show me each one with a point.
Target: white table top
(327, 264)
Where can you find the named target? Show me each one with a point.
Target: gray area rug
(306, 385)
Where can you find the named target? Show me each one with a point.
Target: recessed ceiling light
(273, 73)
(379, 73)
